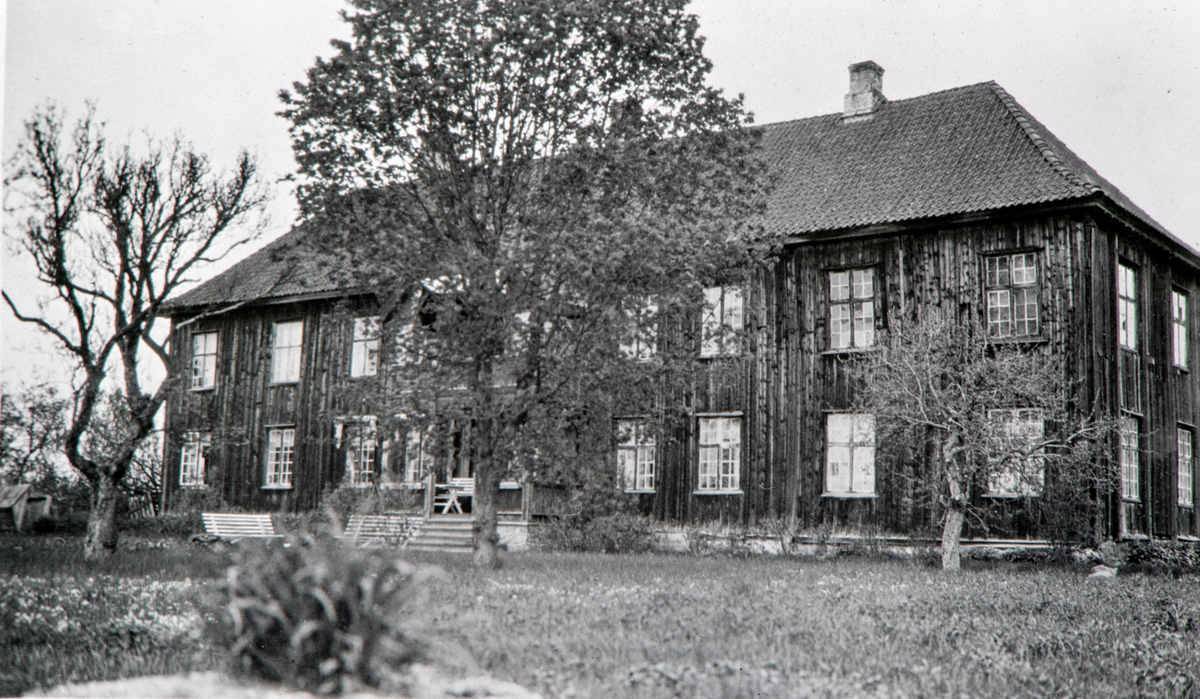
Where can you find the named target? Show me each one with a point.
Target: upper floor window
(1130, 457)
(850, 454)
(204, 360)
(852, 294)
(364, 348)
(1017, 470)
(722, 321)
(192, 459)
(285, 356)
(1179, 324)
(1184, 475)
(635, 455)
(641, 342)
(281, 451)
(1127, 328)
(1011, 285)
(720, 454)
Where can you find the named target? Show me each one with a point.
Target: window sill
(851, 350)
(727, 491)
(362, 376)
(277, 487)
(721, 356)
(1189, 506)
(1011, 496)
(292, 382)
(1132, 501)
(850, 496)
(1023, 340)
(640, 492)
(202, 389)
(193, 486)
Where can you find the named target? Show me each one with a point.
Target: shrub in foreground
(319, 616)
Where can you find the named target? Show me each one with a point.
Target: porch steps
(446, 533)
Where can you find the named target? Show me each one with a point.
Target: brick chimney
(866, 91)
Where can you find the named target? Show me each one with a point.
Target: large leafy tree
(543, 172)
(973, 418)
(112, 232)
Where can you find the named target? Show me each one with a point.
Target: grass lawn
(661, 626)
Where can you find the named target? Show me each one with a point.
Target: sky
(1118, 82)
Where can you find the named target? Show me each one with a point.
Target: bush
(1163, 557)
(319, 616)
(173, 525)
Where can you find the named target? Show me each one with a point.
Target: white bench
(447, 497)
(367, 530)
(232, 526)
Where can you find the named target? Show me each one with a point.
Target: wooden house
(958, 200)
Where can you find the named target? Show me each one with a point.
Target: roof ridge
(890, 101)
(1027, 124)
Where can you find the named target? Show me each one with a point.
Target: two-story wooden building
(958, 200)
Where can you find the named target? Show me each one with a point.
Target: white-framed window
(850, 455)
(281, 451)
(285, 355)
(1127, 306)
(204, 360)
(1017, 470)
(641, 343)
(1012, 290)
(361, 448)
(1183, 461)
(636, 455)
(1179, 326)
(720, 454)
(722, 321)
(852, 300)
(192, 459)
(1130, 457)
(364, 347)
(418, 454)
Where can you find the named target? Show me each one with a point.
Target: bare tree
(987, 419)
(113, 233)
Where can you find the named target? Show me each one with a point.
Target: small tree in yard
(986, 418)
(112, 234)
(32, 425)
(543, 180)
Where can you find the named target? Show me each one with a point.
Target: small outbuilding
(21, 505)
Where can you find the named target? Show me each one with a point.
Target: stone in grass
(1102, 571)
(426, 682)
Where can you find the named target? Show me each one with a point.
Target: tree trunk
(101, 540)
(483, 509)
(951, 535)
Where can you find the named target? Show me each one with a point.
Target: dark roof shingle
(965, 150)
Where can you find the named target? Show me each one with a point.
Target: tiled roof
(954, 152)
(278, 270)
(965, 150)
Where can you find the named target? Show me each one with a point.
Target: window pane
(997, 271)
(999, 314)
(863, 464)
(837, 469)
(1024, 269)
(1129, 458)
(839, 286)
(864, 324)
(1025, 312)
(1127, 332)
(1180, 335)
(839, 326)
(1184, 467)
(864, 284)
(839, 428)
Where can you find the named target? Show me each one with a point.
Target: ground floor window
(850, 455)
(1016, 471)
(192, 459)
(281, 449)
(720, 454)
(360, 456)
(1130, 459)
(636, 455)
(1184, 466)
(418, 455)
